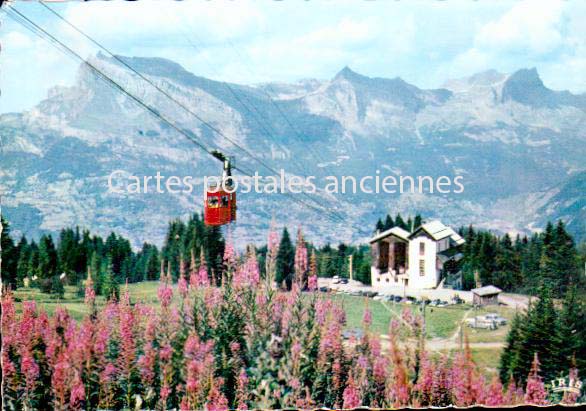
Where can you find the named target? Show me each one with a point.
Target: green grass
(144, 292)
(440, 322)
(443, 322)
(487, 359)
(354, 308)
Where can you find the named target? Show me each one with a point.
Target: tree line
(518, 265)
(49, 263)
(410, 225)
(524, 264)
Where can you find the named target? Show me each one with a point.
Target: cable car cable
(211, 127)
(39, 31)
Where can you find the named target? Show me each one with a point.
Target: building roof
(447, 256)
(395, 231)
(438, 231)
(486, 290)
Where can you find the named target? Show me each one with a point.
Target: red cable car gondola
(219, 201)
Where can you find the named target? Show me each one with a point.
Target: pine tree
(67, 251)
(33, 262)
(409, 224)
(95, 267)
(573, 330)
(507, 265)
(214, 251)
(22, 266)
(399, 222)
(110, 287)
(389, 223)
(566, 259)
(9, 256)
(540, 333)
(379, 225)
(57, 286)
(510, 356)
(285, 260)
(47, 258)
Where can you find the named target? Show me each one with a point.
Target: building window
(421, 248)
(421, 267)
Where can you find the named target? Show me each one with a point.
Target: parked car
(398, 298)
(457, 300)
(496, 318)
(480, 323)
(489, 321)
(324, 289)
(343, 281)
(336, 279)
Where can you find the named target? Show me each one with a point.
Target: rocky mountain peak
(348, 74)
(526, 87)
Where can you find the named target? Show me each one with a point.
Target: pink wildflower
(77, 395)
(351, 395)
(90, 293)
(193, 277)
(535, 393)
(300, 260)
(30, 369)
(495, 393)
(181, 282)
(204, 280)
(367, 318)
(165, 292)
(242, 390)
(216, 400)
(229, 254)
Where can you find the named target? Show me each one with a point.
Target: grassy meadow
(442, 324)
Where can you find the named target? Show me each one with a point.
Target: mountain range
(519, 146)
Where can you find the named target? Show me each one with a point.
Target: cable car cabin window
(224, 201)
(213, 202)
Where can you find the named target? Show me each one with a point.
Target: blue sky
(424, 42)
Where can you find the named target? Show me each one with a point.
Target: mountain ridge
(486, 128)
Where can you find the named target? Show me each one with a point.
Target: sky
(423, 42)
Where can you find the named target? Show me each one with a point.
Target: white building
(413, 260)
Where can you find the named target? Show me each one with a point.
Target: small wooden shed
(487, 295)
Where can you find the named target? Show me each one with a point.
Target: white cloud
(254, 41)
(347, 32)
(549, 35)
(533, 26)
(122, 21)
(30, 66)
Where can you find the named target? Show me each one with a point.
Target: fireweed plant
(241, 344)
